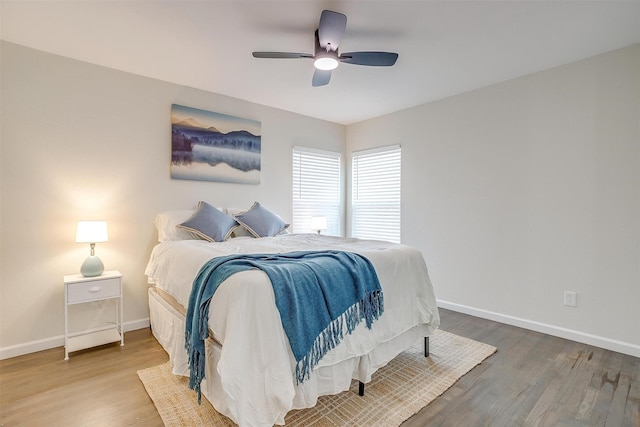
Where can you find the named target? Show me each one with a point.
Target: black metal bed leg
(426, 354)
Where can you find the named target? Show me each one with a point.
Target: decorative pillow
(261, 222)
(209, 223)
(239, 231)
(166, 223)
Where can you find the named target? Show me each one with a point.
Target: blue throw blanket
(320, 296)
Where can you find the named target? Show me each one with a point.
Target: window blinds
(375, 198)
(316, 189)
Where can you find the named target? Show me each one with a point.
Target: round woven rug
(397, 391)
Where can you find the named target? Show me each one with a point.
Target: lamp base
(92, 266)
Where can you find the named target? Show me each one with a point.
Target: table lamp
(319, 223)
(92, 232)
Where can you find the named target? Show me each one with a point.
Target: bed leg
(426, 346)
(360, 388)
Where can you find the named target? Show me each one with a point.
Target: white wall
(522, 190)
(81, 141)
(514, 193)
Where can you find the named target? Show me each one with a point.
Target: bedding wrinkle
(256, 390)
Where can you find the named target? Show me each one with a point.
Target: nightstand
(79, 290)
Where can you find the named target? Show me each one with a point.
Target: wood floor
(533, 380)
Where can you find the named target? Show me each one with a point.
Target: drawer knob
(95, 289)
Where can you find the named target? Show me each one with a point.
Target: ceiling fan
(326, 58)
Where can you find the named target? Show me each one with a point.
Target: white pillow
(166, 222)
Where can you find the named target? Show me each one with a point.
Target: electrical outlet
(570, 298)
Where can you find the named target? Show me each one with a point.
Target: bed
(249, 363)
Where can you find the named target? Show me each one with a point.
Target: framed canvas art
(208, 146)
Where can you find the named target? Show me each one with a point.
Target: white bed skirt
(168, 326)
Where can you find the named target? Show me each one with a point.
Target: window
(375, 197)
(316, 189)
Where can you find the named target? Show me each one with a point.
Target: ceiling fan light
(325, 63)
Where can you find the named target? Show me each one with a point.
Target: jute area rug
(396, 392)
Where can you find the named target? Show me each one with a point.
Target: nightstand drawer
(93, 290)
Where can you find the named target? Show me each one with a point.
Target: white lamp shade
(319, 223)
(92, 232)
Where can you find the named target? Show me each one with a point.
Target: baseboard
(58, 341)
(598, 341)
(557, 331)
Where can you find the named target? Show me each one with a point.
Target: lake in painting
(208, 146)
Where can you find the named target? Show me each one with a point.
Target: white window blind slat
(376, 186)
(316, 189)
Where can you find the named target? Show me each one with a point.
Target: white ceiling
(444, 47)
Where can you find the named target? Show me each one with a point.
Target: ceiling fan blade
(376, 59)
(321, 77)
(281, 55)
(331, 29)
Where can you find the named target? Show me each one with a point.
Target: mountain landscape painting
(207, 146)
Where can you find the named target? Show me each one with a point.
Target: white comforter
(255, 367)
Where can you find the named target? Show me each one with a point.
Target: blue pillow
(261, 222)
(209, 223)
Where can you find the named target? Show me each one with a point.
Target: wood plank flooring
(533, 380)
